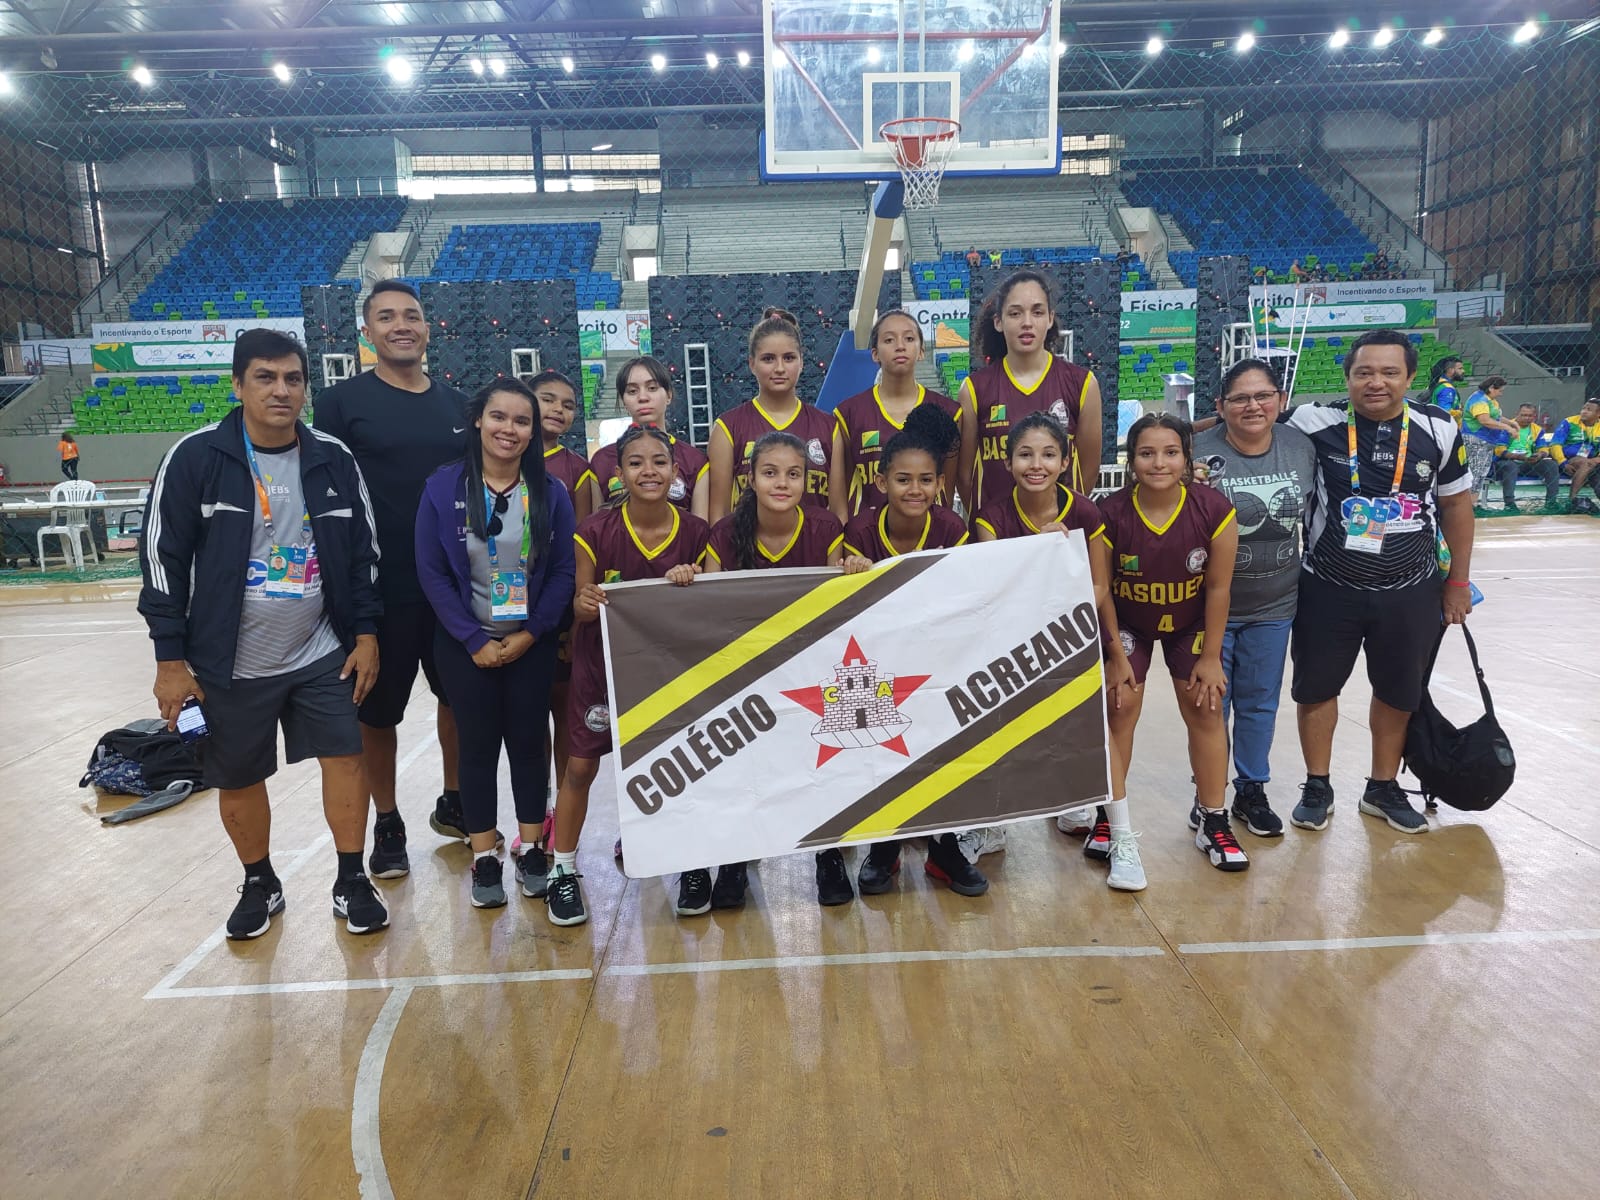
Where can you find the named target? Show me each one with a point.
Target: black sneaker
(1316, 805)
(564, 899)
(357, 902)
(1098, 843)
(533, 871)
(879, 868)
(388, 859)
(447, 819)
(1387, 799)
(694, 893)
(833, 879)
(260, 899)
(1250, 806)
(1220, 846)
(732, 881)
(488, 882)
(950, 867)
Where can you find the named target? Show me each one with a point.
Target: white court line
(366, 1141)
(80, 635)
(1515, 937)
(1438, 681)
(406, 982)
(884, 956)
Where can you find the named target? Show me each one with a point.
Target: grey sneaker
(532, 871)
(487, 889)
(1385, 798)
(1315, 807)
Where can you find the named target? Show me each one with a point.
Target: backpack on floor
(141, 758)
(1469, 768)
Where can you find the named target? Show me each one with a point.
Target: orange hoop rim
(908, 144)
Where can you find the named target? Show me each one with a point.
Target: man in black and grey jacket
(260, 589)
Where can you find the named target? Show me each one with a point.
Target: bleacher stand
(524, 252)
(152, 403)
(948, 276)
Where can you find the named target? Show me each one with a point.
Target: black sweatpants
(500, 706)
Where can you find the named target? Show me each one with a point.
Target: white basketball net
(922, 148)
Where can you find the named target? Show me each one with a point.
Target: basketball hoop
(922, 148)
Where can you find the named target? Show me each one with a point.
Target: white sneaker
(975, 843)
(1075, 822)
(1127, 872)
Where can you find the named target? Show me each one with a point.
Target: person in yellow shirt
(1575, 445)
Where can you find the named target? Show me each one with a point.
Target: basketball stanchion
(922, 148)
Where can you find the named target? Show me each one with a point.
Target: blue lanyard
(489, 497)
(265, 501)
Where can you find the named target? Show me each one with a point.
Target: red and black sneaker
(1098, 843)
(1216, 838)
(950, 867)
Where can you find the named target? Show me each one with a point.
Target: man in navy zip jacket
(260, 567)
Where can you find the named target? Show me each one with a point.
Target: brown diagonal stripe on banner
(666, 668)
(973, 803)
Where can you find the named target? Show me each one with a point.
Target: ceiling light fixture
(1525, 33)
(744, 58)
(1434, 36)
(1246, 42)
(141, 75)
(1154, 46)
(1382, 38)
(497, 66)
(281, 72)
(475, 65)
(567, 64)
(1339, 40)
(658, 61)
(712, 61)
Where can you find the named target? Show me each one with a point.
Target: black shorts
(315, 707)
(1397, 628)
(405, 642)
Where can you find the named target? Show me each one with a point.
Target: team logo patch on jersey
(613, 485)
(1423, 471)
(869, 439)
(1128, 564)
(612, 577)
(1461, 455)
(597, 717)
(859, 707)
(997, 414)
(815, 452)
(1196, 562)
(1058, 410)
(678, 490)
(1126, 638)
(749, 448)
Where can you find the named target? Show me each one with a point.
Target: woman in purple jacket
(494, 556)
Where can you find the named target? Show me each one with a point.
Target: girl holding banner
(644, 389)
(1039, 503)
(775, 361)
(864, 423)
(494, 558)
(1173, 549)
(643, 536)
(1017, 334)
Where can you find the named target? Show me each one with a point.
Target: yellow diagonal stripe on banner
(744, 649)
(888, 819)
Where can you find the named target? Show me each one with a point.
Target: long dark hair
(991, 342)
(928, 428)
(744, 509)
(657, 369)
(532, 467)
(630, 435)
(1163, 420)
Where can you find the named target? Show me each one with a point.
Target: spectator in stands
(1575, 445)
(1442, 380)
(495, 557)
(1267, 470)
(402, 426)
(260, 590)
(1485, 430)
(68, 448)
(973, 258)
(1298, 272)
(1524, 455)
(1391, 475)
(994, 259)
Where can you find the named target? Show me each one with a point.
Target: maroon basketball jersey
(816, 540)
(865, 428)
(749, 423)
(1002, 402)
(867, 535)
(1007, 520)
(1158, 572)
(688, 464)
(570, 468)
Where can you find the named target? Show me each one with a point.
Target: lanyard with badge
(508, 589)
(288, 567)
(1366, 517)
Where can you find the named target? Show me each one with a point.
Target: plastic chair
(69, 523)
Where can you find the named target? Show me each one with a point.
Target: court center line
(366, 1140)
(1491, 937)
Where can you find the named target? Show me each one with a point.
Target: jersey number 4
(1165, 624)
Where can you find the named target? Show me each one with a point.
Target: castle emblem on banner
(859, 707)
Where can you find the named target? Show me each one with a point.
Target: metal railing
(158, 241)
(1337, 180)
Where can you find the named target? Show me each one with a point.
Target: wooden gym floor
(1360, 1014)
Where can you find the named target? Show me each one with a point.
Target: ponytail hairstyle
(776, 322)
(991, 342)
(1044, 421)
(744, 509)
(629, 436)
(656, 369)
(928, 428)
(872, 338)
(533, 475)
(1164, 420)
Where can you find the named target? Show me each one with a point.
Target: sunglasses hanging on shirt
(495, 526)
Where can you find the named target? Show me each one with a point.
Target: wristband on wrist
(1458, 583)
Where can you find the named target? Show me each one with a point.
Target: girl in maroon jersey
(1172, 550)
(864, 423)
(644, 388)
(1017, 335)
(770, 529)
(643, 536)
(1041, 503)
(775, 361)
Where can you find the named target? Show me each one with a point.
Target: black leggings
(497, 706)
(69, 468)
